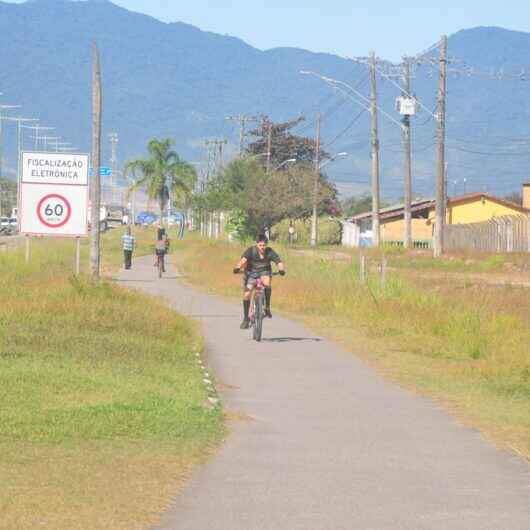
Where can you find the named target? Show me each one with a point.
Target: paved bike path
(322, 442)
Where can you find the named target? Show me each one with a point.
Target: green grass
(103, 406)
(465, 345)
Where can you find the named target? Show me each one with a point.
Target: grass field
(462, 342)
(103, 407)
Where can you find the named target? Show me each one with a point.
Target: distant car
(13, 222)
(146, 218)
(4, 221)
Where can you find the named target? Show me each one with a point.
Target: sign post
(53, 199)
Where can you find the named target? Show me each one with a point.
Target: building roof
(470, 197)
(397, 210)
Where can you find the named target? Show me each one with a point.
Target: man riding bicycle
(257, 262)
(161, 247)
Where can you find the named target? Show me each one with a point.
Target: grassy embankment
(462, 342)
(103, 407)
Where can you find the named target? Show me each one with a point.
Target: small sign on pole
(53, 197)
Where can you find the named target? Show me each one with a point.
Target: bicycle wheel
(160, 266)
(258, 317)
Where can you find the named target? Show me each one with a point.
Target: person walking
(129, 242)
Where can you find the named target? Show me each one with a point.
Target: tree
(164, 174)
(356, 205)
(264, 199)
(8, 196)
(284, 144)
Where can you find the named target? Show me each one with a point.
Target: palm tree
(164, 174)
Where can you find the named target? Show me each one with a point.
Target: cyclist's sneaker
(268, 313)
(245, 324)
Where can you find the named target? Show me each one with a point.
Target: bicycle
(257, 309)
(160, 264)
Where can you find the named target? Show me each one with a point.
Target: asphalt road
(322, 442)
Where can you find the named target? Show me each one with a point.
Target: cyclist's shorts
(160, 252)
(250, 278)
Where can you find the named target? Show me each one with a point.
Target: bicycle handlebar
(272, 273)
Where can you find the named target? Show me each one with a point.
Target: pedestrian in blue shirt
(128, 242)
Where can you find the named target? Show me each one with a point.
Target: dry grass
(103, 406)
(465, 344)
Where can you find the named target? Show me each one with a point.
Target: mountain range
(174, 80)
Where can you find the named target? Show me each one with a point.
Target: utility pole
(440, 165)
(19, 121)
(269, 144)
(95, 255)
(46, 140)
(221, 159)
(216, 147)
(375, 153)
(407, 241)
(4, 107)
(242, 120)
(114, 140)
(314, 220)
(37, 128)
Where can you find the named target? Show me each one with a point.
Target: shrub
(329, 232)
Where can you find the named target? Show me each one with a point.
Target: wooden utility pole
(375, 153)
(314, 220)
(95, 192)
(407, 240)
(242, 120)
(440, 167)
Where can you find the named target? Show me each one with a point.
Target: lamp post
(289, 161)
(316, 189)
(4, 107)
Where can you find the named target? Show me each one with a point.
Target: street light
(289, 161)
(332, 159)
(314, 221)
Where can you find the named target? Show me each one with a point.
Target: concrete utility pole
(217, 148)
(269, 144)
(440, 166)
(37, 128)
(407, 240)
(314, 220)
(4, 107)
(114, 140)
(46, 140)
(376, 230)
(242, 120)
(95, 192)
(19, 121)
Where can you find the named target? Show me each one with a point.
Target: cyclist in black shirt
(257, 261)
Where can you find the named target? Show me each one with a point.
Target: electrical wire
(484, 153)
(343, 132)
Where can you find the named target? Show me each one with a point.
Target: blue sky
(344, 27)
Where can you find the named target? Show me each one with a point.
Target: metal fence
(501, 234)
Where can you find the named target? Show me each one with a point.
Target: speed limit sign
(54, 210)
(53, 198)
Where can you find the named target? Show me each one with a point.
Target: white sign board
(54, 195)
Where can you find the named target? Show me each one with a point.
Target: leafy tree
(164, 174)
(264, 199)
(8, 196)
(284, 144)
(356, 205)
